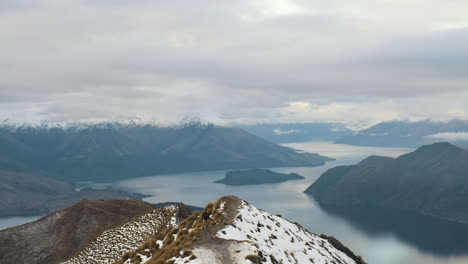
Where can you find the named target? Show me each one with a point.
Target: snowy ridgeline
(257, 236)
(114, 243)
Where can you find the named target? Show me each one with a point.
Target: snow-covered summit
(233, 231)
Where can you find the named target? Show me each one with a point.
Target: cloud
(280, 132)
(449, 136)
(357, 62)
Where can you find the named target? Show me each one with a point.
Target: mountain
(433, 180)
(233, 231)
(409, 134)
(59, 236)
(257, 176)
(106, 152)
(35, 194)
(27, 194)
(127, 231)
(298, 132)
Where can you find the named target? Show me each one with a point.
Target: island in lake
(257, 176)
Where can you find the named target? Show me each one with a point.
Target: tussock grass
(177, 241)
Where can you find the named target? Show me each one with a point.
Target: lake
(10, 221)
(386, 240)
(381, 237)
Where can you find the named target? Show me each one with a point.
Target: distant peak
(440, 146)
(374, 159)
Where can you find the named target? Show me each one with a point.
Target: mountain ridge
(233, 231)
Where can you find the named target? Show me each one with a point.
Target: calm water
(381, 238)
(6, 222)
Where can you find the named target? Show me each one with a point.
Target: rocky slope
(59, 236)
(233, 231)
(433, 180)
(257, 176)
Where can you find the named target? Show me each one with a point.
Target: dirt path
(207, 237)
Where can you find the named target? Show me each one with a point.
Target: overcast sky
(358, 62)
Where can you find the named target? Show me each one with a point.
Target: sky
(233, 62)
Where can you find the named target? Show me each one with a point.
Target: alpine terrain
(233, 231)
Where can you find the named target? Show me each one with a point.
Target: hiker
(206, 215)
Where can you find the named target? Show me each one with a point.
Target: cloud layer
(357, 62)
(450, 136)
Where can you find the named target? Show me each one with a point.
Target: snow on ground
(240, 250)
(114, 243)
(204, 256)
(284, 241)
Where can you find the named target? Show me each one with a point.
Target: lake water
(6, 222)
(381, 237)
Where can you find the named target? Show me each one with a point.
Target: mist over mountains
(397, 133)
(299, 132)
(409, 134)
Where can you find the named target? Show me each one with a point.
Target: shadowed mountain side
(428, 234)
(432, 180)
(33, 194)
(106, 152)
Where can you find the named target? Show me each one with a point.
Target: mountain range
(105, 152)
(433, 180)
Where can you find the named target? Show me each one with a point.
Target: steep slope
(433, 180)
(104, 152)
(58, 236)
(233, 231)
(112, 244)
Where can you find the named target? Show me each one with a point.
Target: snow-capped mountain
(233, 231)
